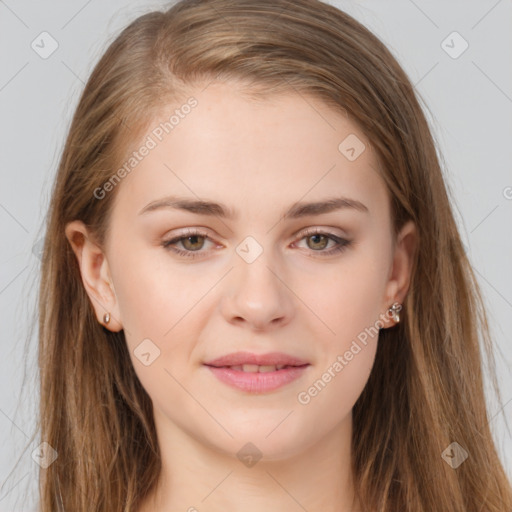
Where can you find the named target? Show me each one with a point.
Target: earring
(106, 318)
(394, 311)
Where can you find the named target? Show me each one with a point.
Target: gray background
(468, 102)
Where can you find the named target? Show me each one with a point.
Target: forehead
(251, 154)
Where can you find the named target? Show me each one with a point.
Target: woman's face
(264, 266)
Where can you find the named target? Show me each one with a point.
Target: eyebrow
(297, 210)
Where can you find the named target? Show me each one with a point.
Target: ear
(95, 274)
(401, 269)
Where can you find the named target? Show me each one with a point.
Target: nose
(257, 295)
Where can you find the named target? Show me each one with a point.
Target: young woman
(254, 295)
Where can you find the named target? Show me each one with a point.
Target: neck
(200, 478)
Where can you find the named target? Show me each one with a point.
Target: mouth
(254, 373)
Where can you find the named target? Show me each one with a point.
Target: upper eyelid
(301, 232)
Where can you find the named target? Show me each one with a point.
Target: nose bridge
(258, 294)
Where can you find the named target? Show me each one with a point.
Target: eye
(192, 240)
(317, 240)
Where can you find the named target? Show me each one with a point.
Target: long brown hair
(425, 391)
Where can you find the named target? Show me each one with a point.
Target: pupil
(317, 237)
(194, 239)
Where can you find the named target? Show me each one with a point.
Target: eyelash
(342, 243)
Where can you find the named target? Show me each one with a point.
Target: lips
(249, 362)
(253, 373)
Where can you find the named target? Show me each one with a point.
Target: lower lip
(255, 382)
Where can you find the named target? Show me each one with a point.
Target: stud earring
(394, 311)
(106, 318)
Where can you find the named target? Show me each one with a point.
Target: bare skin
(258, 158)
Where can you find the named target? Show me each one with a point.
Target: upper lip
(270, 359)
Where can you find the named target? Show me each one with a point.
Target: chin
(270, 440)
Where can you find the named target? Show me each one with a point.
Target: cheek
(347, 299)
(350, 308)
(161, 311)
(349, 305)
(149, 296)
